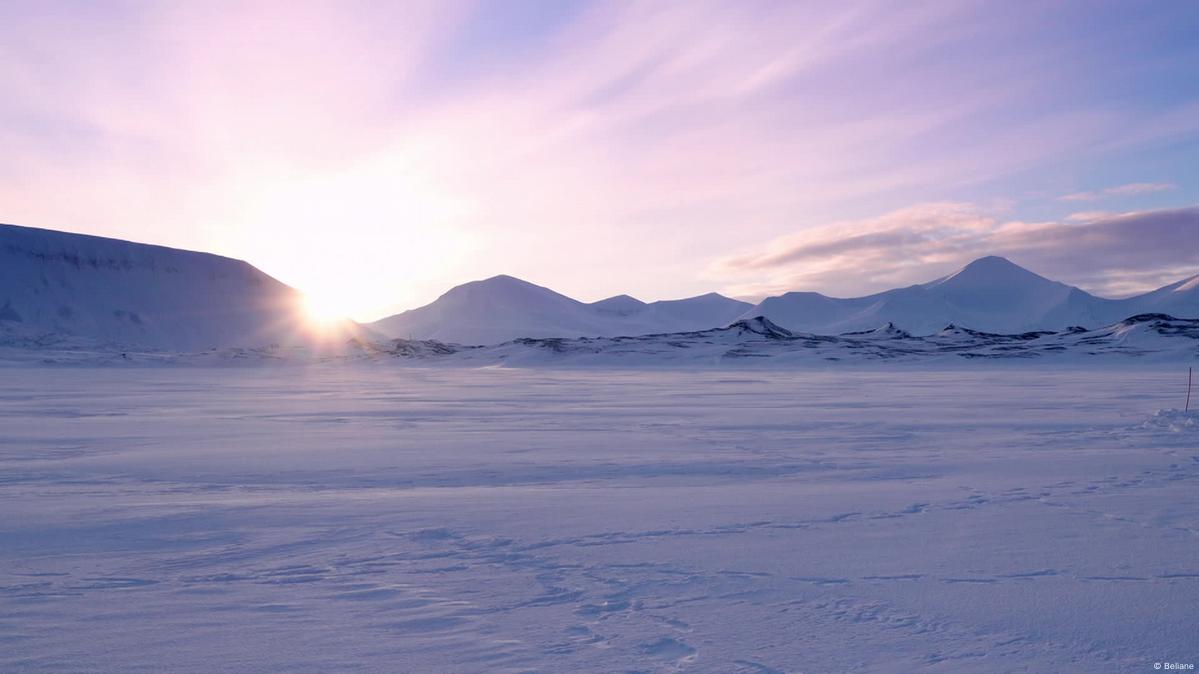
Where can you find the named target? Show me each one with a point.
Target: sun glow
(323, 311)
(363, 240)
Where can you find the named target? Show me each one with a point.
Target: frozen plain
(369, 518)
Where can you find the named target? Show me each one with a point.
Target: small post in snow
(1187, 407)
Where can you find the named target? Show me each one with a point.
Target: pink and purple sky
(375, 153)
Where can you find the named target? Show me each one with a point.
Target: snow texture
(369, 518)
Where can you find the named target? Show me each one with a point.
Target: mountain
(496, 310)
(990, 294)
(695, 313)
(1176, 299)
(123, 293)
(503, 308)
(620, 305)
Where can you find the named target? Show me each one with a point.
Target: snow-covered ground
(379, 518)
(744, 345)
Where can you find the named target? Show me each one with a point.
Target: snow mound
(888, 331)
(1173, 420)
(760, 325)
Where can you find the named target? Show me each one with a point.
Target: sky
(374, 154)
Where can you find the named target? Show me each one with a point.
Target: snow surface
(383, 518)
(503, 308)
(747, 344)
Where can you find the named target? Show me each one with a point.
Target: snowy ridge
(1155, 336)
(760, 341)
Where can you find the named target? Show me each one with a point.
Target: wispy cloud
(383, 151)
(1106, 253)
(1089, 216)
(1130, 189)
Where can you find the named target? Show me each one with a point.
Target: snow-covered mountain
(59, 285)
(990, 294)
(503, 308)
(692, 313)
(1177, 299)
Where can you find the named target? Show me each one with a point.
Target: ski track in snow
(381, 519)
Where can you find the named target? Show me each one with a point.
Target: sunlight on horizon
(323, 310)
(351, 232)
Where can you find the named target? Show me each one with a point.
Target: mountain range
(990, 294)
(122, 293)
(503, 308)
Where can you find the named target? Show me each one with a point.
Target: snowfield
(373, 517)
(749, 344)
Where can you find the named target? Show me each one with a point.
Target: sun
(323, 310)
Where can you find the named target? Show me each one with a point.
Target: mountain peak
(991, 271)
(503, 290)
(499, 279)
(993, 261)
(619, 304)
(619, 299)
(992, 264)
(493, 284)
